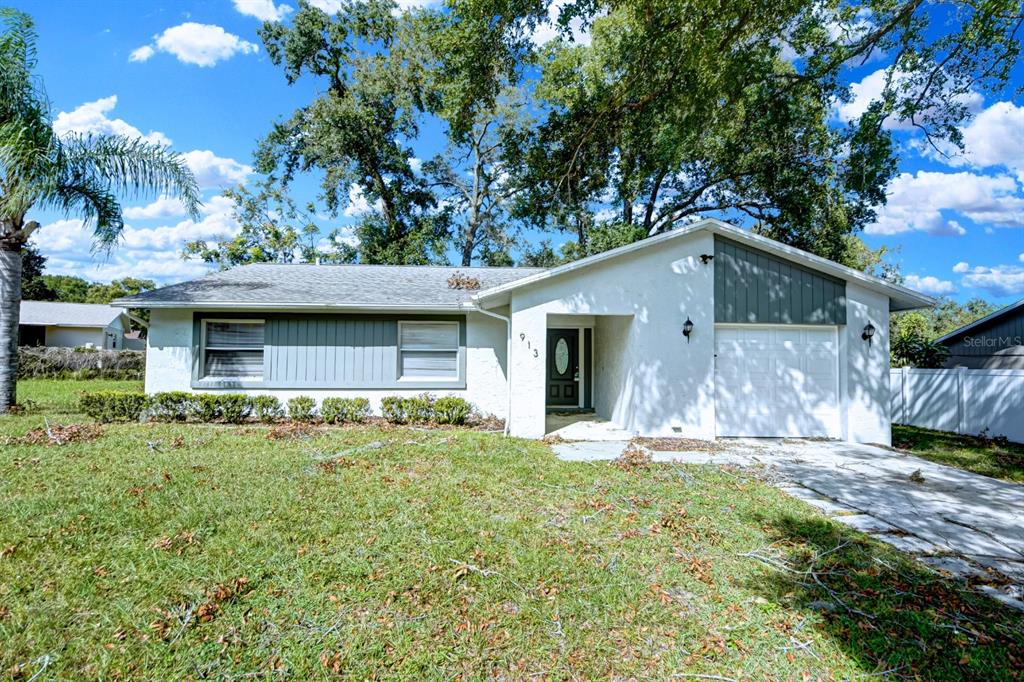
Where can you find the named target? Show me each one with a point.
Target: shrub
(344, 410)
(113, 406)
(302, 408)
(266, 408)
(171, 406)
(205, 407)
(452, 410)
(234, 407)
(416, 410)
(72, 363)
(393, 409)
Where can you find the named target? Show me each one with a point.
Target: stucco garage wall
(864, 367)
(72, 337)
(169, 364)
(665, 386)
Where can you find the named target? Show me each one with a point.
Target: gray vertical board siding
(752, 286)
(997, 344)
(329, 351)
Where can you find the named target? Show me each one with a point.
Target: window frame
(455, 378)
(203, 348)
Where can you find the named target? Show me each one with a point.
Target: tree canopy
(670, 111)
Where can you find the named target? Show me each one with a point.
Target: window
(428, 350)
(232, 349)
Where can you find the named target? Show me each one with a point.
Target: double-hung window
(428, 350)
(233, 349)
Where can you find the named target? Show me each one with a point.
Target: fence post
(961, 390)
(904, 393)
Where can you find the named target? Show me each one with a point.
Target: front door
(564, 367)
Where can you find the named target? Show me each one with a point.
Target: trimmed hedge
(236, 408)
(113, 406)
(425, 409)
(344, 410)
(41, 362)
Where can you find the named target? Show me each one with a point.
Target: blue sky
(195, 74)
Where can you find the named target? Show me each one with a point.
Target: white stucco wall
(169, 365)
(864, 368)
(73, 337)
(665, 386)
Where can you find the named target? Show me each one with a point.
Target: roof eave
(220, 305)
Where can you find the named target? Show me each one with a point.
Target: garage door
(776, 381)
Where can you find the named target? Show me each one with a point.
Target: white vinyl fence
(960, 400)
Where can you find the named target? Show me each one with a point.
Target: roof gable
(990, 319)
(900, 297)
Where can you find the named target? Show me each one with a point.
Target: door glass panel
(561, 356)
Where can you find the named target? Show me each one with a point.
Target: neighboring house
(71, 325)
(778, 339)
(995, 341)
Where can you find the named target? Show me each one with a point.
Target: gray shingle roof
(272, 284)
(52, 314)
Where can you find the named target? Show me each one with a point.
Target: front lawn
(994, 458)
(168, 551)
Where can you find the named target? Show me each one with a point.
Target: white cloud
(199, 44)
(215, 171)
(141, 54)
(929, 284)
(91, 117)
(549, 29)
(917, 202)
(870, 89)
(358, 204)
(1021, 258)
(998, 280)
(416, 164)
(993, 138)
(151, 253)
(264, 10)
(163, 207)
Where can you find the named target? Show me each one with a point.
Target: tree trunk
(10, 313)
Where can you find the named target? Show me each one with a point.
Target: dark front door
(564, 367)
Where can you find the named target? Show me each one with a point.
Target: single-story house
(995, 341)
(704, 331)
(72, 325)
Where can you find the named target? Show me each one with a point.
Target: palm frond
(129, 166)
(94, 203)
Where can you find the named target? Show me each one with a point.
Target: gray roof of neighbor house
(51, 314)
(326, 286)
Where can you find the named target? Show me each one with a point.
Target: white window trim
(203, 347)
(456, 378)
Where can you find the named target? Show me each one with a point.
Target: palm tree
(78, 175)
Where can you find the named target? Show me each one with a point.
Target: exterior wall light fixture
(706, 258)
(869, 331)
(687, 329)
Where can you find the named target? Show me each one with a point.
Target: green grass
(981, 456)
(188, 551)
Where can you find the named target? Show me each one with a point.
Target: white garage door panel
(776, 381)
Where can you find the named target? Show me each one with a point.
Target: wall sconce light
(869, 331)
(706, 258)
(687, 329)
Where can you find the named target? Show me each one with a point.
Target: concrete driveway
(953, 520)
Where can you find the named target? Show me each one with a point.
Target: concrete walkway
(953, 520)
